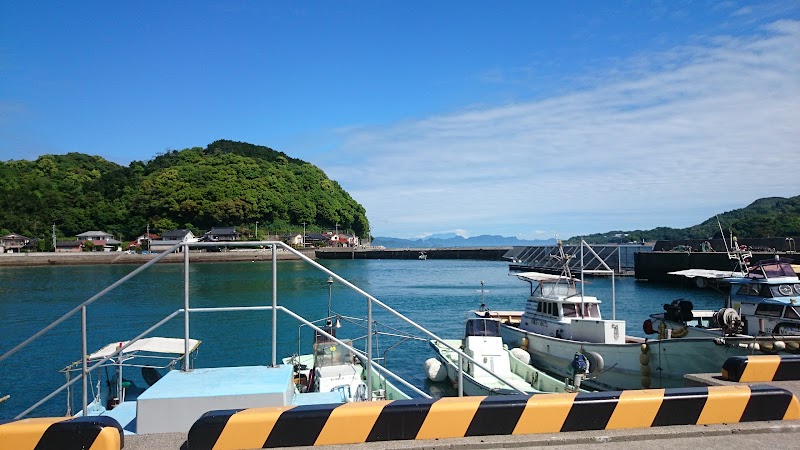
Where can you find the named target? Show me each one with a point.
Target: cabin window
(747, 289)
(569, 310)
(591, 310)
(483, 328)
(791, 313)
(767, 309)
(549, 309)
(540, 307)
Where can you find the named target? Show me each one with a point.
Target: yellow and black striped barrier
(761, 368)
(62, 433)
(456, 417)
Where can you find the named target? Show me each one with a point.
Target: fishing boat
(482, 341)
(126, 371)
(559, 320)
(763, 300)
(332, 367)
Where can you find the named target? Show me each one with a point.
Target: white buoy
(435, 370)
(521, 355)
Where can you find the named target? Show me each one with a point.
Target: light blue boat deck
(180, 398)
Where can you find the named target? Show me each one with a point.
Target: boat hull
(448, 358)
(667, 360)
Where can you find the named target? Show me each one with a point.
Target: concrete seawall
(88, 258)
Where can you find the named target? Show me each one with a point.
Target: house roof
(222, 230)
(175, 234)
(68, 244)
(93, 233)
(13, 236)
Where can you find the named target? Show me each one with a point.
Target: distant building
(170, 238)
(13, 243)
(99, 241)
(220, 234)
(293, 239)
(69, 246)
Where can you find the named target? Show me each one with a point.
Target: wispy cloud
(671, 140)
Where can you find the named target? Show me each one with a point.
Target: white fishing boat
(560, 320)
(482, 341)
(332, 367)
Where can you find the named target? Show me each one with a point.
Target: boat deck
(180, 398)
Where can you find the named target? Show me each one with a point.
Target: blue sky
(518, 118)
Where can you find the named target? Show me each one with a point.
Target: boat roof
(172, 346)
(543, 277)
(707, 273)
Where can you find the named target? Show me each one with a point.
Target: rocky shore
(85, 258)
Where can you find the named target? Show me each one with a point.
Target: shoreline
(89, 258)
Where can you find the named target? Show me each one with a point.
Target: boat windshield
(555, 289)
(483, 327)
(772, 269)
(330, 353)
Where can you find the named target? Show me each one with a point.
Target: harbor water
(437, 294)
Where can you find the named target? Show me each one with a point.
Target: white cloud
(676, 138)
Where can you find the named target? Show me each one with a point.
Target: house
(170, 238)
(317, 240)
(143, 241)
(99, 241)
(220, 234)
(69, 246)
(344, 240)
(13, 243)
(293, 239)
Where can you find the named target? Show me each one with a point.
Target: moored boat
(482, 342)
(762, 301)
(560, 320)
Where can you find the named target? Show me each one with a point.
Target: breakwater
(474, 253)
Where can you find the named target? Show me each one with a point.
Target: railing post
(186, 367)
(274, 306)
(369, 348)
(84, 363)
(460, 375)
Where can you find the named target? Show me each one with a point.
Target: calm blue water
(435, 293)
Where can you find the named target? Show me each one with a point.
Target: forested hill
(225, 184)
(766, 217)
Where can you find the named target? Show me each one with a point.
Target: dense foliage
(766, 217)
(225, 184)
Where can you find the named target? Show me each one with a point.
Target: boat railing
(184, 247)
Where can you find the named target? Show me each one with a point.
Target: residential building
(13, 243)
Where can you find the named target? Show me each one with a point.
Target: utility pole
(54, 237)
(256, 230)
(147, 237)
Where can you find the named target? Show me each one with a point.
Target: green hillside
(766, 217)
(225, 184)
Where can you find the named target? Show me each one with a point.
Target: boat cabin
(557, 309)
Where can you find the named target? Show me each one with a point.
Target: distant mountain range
(449, 241)
(765, 217)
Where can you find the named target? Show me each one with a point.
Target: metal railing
(275, 308)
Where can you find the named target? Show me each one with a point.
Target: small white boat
(332, 367)
(482, 342)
